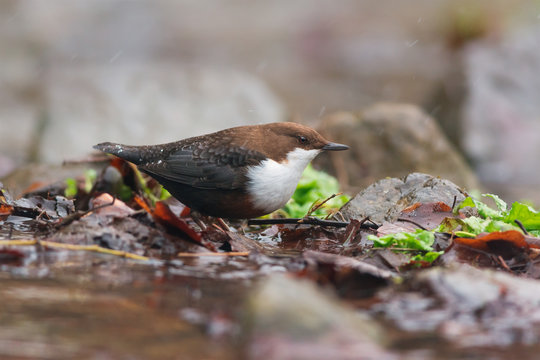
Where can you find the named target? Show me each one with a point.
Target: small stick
(77, 215)
(93, 247)
(373, 224)
(198, 221)
(454, 202)
(354, 231)
(223, 225)
(503, 263)
(317, 206)
(308, 221)
(43, 212)
(57, 245)
(17, 242)
(521, 226)
(412, 222)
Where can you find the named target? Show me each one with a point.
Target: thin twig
(521, 226)
(354, 231)
(451, 242)
(307, 221)
(503, 263)
(412, 222)
(340, 215)
(315, 206)
(94, 248)
(17, 242)
(79, 214)
(362, 222)
(43, 212)
(373, 225)
(454, 202)
(57, 245)
(223, 225)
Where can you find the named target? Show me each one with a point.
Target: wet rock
(467, 306)
(391, 140)
(125, 234)
(128, 233)
(294, 319)
(352, 278)
(7, 165)
(502, 112)
(20, 90)
(420, 215)
(385, 199)
(37, 206)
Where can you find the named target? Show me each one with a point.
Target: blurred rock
(466, 306)
(336, 55)
(7, 165)
(147, 104)
(502, 111)
(39, 178)
(294, 319)
(318, 56)
(391, 140)
(384, 200)
(19, 123)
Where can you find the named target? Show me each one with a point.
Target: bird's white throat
(271, 183)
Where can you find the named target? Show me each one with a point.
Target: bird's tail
(130, 153)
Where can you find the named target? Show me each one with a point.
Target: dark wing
(219, 166)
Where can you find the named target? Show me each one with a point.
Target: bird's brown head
(278, 139)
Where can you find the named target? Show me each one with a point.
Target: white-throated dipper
(237, 173)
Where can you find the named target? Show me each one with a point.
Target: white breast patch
(271, 184)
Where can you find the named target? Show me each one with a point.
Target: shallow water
(85, 305)
(59, 304)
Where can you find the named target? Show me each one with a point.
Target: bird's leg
(223, 224)
(217, 222)
(197, 219)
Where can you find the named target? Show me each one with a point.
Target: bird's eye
(302, 139)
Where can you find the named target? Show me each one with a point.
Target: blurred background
(74, 73)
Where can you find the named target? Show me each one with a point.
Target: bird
(237, 173)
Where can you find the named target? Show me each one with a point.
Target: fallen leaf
(165, 216)
(118, 208)
(142, 203)
(5, 209)
(425, 215)
(482, 242)
(352, 278)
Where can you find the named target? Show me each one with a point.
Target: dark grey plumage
(191, 162)
(209, 173)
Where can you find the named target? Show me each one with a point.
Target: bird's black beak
(335, 147)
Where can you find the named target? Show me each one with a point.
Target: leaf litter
(414, 274)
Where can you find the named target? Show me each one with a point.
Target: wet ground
(61, 304)
(66, 305)
(125, 282)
